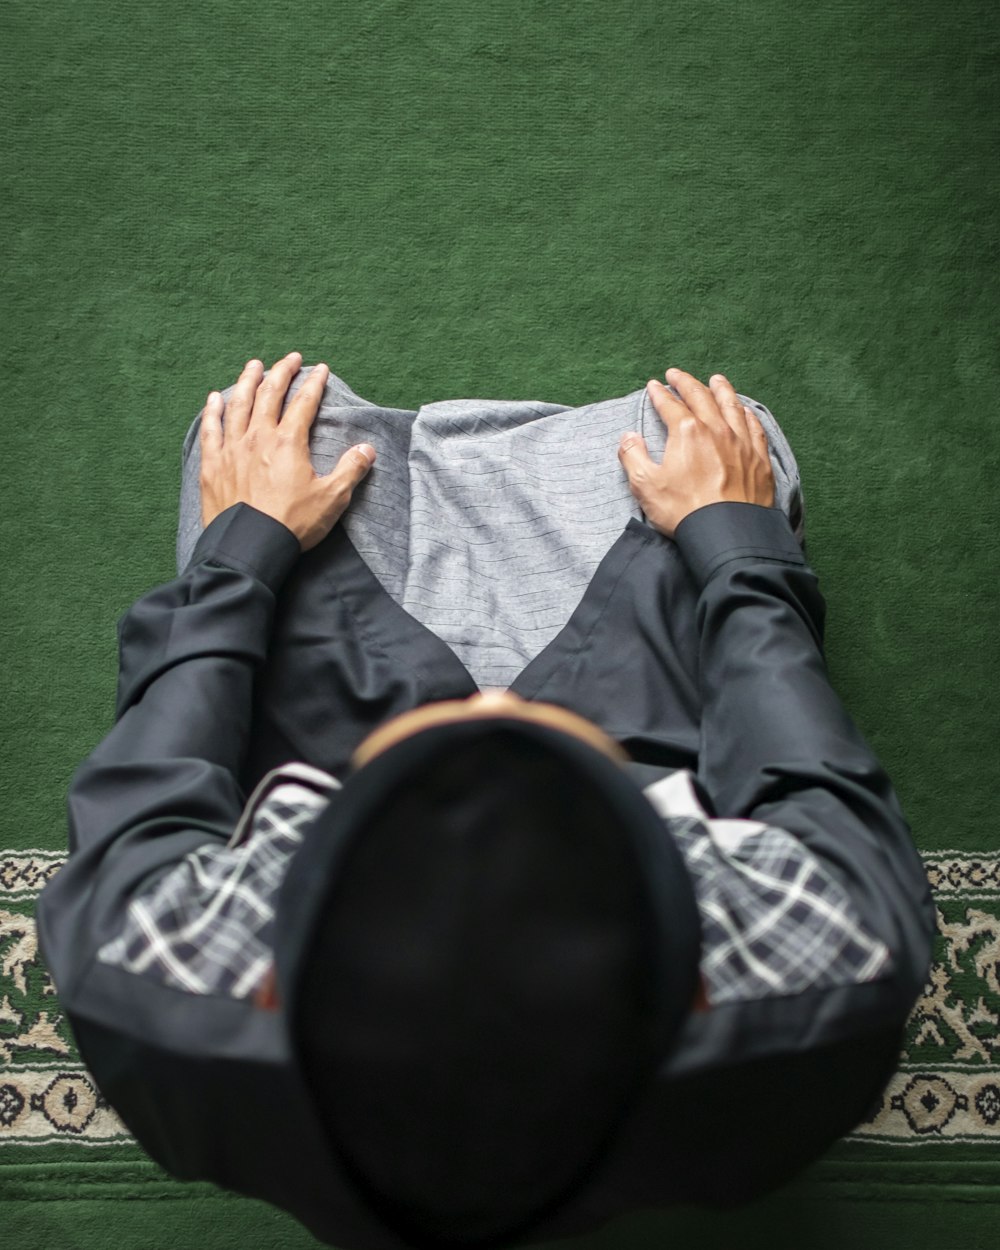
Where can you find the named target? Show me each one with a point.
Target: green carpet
(518, 201)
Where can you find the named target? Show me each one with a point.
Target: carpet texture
(543, 202)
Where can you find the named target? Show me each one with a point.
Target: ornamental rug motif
(946, 1088)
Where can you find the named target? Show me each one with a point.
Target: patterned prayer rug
(946, 1089)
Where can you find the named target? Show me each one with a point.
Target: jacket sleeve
(777, 744)
(164, 779)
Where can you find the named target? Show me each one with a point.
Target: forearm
(163, 782)
(777, 743)
(189, 651)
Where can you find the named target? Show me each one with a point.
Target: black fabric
(704, 653)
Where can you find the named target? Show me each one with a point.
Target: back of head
(476, 1019)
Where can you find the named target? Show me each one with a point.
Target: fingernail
(368, 451)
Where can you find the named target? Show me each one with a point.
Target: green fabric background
(531, 200)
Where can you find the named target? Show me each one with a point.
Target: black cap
(486, 945)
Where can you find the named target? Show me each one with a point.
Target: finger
(758, 435)
(698, 398)
(669, 408)
(271, 393)
(240, 403)
(298, 417)
(211, 425)
(729, 403)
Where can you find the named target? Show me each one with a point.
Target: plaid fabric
(774, 921)
(204, 924)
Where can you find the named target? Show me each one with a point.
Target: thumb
(358, 460)
(632, 450)
(350, 470)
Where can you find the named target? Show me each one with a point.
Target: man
(526, 963)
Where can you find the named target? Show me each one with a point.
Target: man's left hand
(261, 457)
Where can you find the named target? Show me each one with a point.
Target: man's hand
(261, 458)
(716, 451)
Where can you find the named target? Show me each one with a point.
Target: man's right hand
(716, 452)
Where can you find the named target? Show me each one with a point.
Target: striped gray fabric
(485, 519)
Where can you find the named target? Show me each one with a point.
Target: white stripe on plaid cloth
(774, 920)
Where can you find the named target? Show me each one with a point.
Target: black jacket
(233, 668)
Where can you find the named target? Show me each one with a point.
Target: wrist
(243, 537)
